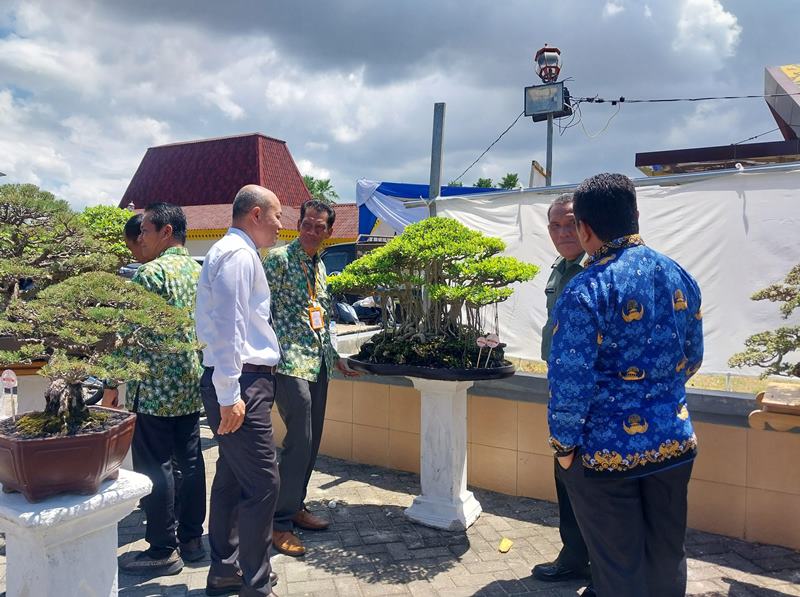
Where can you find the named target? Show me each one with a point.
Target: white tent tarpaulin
(735, 234)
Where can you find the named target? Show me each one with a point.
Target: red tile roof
(211, 171)
(218, 217)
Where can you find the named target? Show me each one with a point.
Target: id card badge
(315, 318)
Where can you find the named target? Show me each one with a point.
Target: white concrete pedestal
(445, 502)
(67, 545)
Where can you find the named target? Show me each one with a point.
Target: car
(351, 308)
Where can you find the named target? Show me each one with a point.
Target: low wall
(745, 483)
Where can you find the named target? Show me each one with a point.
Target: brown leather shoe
(287, 543)
(310, 522)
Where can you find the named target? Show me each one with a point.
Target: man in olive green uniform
(573, 561)
(168, 407)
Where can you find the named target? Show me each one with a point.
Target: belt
(269, 369)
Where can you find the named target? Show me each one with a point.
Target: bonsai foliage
(436, 278)
(91, 324)
(42, 242)
(106, 223)
(770, 349)
(60, 303)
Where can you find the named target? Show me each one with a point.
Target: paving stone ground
(371, 550)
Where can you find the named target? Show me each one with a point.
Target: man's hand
(110, 398)
(341, 365)
(231, 417)
(566, 461)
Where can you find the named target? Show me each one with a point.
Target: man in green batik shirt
(168, 406)
(301, 318)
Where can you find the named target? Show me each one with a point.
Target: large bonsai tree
(769, 350)
(43, 242)
(433, 283)
(61, 304)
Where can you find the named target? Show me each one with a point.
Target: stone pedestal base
(67, 545)
(445, 502)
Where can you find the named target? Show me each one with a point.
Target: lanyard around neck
(312, 292)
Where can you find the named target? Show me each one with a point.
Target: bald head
(257, 211)
(250, 196)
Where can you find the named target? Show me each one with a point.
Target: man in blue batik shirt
(627, 337)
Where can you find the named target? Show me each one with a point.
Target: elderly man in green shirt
(168, 407)
(301, 310)
(573, 560)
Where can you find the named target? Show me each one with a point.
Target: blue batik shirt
(628, 335)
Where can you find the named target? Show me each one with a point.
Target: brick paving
(371, 550)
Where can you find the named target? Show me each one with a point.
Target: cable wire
(490, 146)
(622, 99)
(756, 136)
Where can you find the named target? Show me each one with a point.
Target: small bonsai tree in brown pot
(776, 351)
(62, 305)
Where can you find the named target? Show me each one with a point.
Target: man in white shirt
(238, 387)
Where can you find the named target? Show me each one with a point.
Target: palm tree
(320, 189)
(510, 181)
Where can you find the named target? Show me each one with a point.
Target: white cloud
(220, 96)
(648, 12)
(706, 32)
(31, 18)
(307, 168)
(149, 130)
(612, 8)
(280, 92)
(708, 124)
(315, 146)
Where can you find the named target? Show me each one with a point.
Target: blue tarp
(400, 190)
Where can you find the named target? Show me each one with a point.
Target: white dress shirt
(232, 313)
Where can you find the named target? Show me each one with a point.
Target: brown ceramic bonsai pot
(39, 468)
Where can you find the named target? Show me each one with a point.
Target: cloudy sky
(87, 86)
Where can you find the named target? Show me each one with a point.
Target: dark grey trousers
(245, 487)
(574, 553)
(634, 529)
(301, 405)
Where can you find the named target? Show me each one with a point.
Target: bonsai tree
(61, 304)
(435, 281)
(769, 350)
(42, 242)
(106, 223)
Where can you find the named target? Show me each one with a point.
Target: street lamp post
(548, 101)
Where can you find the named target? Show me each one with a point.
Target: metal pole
(548, 174)
(436, 157)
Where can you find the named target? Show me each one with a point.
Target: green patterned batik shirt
(173, 388)
(302, 348)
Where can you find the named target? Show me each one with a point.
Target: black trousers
(635, 530)
(574, 553)
(301, 404)
(157, 442)
(245, 487)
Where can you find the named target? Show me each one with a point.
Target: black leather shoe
(224, 585)
(558, 572)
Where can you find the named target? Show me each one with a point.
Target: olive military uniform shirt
(563, 271)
